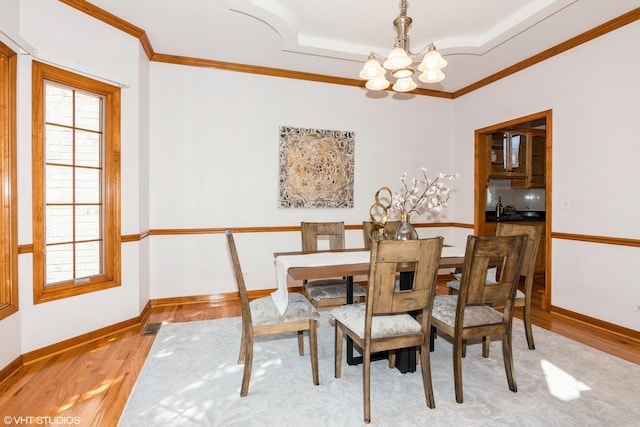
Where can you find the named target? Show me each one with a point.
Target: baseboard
(10, 370)
(214, 300)
(146, 312)
(607, 327)
(79, 340)
(217, 300)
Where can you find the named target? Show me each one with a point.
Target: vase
(405, 230)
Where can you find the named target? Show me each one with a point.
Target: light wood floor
(92, 382)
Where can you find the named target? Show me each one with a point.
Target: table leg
(406, 357)
(432, 338)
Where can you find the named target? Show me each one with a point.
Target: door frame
(481, 183)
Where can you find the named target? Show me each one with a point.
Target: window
(76, 184)
(8, 201)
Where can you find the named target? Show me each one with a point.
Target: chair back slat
(480, 254)
(388, 258)
(531, 245)
(311, 232)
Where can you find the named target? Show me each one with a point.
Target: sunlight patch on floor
(562, 385)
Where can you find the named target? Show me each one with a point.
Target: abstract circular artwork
(316, 168)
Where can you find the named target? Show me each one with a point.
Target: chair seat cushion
(490, 278)
(455, 284)
(353, 316)
(444, 310)
(265, 312)
(331, 288)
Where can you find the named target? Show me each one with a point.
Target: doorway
(524, 182)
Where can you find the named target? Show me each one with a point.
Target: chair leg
(338, 351)
(425, 361)
(313, 349)
(243, 347)
(508, 361)
(248, 361)
(301, 343)
(366, 383)
(486, 343)
(458, 348)
(527, 325)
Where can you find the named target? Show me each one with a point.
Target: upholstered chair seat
(332, 292)
(474, 315)
(353, 317)
(265, 312)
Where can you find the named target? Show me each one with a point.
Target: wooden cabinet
(519, 155)
(538, 159)
(507, 155)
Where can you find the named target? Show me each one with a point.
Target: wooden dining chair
(470, 313)
(533, 235)
(327, 292)
(261, 317)
(384, 322)
(369, 233)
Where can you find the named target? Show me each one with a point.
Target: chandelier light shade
(401, 61)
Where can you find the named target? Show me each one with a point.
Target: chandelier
(401, 61)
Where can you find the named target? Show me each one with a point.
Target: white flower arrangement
(431, 194)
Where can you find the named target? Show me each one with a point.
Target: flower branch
(432, 194)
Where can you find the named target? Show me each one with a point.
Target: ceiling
(334, 37)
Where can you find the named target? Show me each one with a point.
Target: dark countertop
(517, 216)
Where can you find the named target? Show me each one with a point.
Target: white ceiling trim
(283, 22)
(505, 30)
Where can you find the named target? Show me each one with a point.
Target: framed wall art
(316, 168)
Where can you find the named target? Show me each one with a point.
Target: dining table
(348, 263)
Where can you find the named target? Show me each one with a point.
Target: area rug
(191, 378)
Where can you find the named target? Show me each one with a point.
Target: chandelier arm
(377, 56)
(422, 51)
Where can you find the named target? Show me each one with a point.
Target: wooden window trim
(112, 239)
(8, 181)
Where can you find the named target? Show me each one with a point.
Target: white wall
(142, 195)
(594, 93)
(214, 164)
